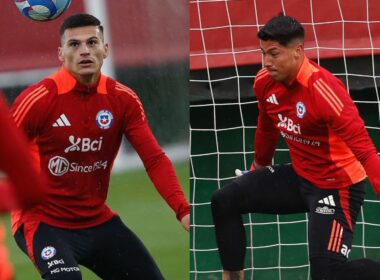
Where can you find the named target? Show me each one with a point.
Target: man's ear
(60, 54)
(299, 51)
(106, 51)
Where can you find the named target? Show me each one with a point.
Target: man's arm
(266, 136)
(343, 118)
(159, 169)
(27, 184)
(186, 222)
(157, 164)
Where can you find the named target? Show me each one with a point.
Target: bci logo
(288, 124)
(84, 144)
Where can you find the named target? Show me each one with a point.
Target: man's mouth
(85, 62)
(272, 71)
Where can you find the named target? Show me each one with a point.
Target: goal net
(342, 36)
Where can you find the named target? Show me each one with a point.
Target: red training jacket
(77, 131)
(327, 140)
(24, 185)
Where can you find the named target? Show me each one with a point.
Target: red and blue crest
(104, 119)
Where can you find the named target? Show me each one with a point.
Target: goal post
(342, 36)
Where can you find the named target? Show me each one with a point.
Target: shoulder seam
(28, 102)
(328, 95)
(261, 74)
(130, 92)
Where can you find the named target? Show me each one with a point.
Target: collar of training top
(66, 83)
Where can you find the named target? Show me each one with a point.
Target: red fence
(333, 28)
(141, 32)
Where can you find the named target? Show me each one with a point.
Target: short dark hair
(282, 29)
(80, 20)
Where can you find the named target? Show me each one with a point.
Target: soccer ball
(42, 10)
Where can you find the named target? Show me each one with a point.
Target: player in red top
(331, 154)
(22, 186)
(76, 118)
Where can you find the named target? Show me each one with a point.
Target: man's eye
(92, 42)
(73, 44)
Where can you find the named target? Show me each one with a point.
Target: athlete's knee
(222, 199)
(217, 199)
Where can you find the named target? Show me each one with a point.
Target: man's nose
(84, 49)
(267, 61)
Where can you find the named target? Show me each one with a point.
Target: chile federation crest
(104, 119)
(301, 110)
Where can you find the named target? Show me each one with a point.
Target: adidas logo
(61, 121)
(328, 200)
(272, 99)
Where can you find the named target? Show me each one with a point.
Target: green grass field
(133, 196)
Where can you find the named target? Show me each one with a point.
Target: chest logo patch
(104, 119)
(61, 121)
(288, 124)
(272, 99)
(300, 109)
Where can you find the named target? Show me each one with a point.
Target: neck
(293, 75)
(87, 80)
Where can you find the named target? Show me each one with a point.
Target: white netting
(345, 40)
